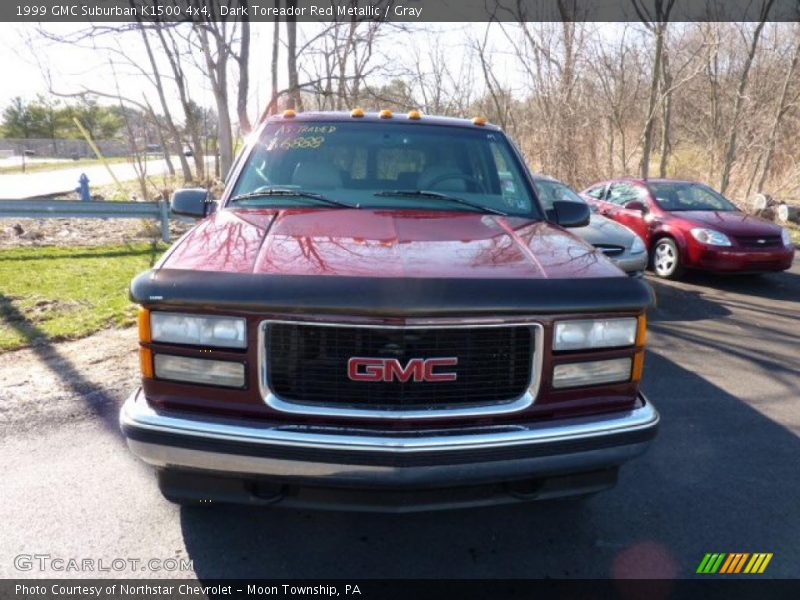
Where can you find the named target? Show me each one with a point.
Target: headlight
(637, 247)
(786, 236)
(594, 333)
(176, 328)
(199, 370)
(710, 237)
(592, 373)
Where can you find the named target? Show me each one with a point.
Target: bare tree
(295, 99)
(784, 103)
(730, 151)
(656, 23)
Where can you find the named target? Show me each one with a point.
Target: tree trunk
(243, 60)
(218, 74)
(666, 115)
(173, 130)
(295, 101)
(173, 57)
(776, 123)
(730, 151)
(647, 142)
(276, 38)
(161, 139)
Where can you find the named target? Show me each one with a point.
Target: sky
(25, 56)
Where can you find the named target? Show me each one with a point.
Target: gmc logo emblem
(390, 369)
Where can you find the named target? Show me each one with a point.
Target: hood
(730, 222)
(384, 244)
(602, 230)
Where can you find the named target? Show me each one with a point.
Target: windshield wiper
(291, 192)
(430, 194)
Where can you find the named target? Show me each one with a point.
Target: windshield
(675, 197)
(357, 163)
(549, 191)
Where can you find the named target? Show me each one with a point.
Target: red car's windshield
(371, 164)
(679, 196)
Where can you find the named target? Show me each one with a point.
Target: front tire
(667, 262)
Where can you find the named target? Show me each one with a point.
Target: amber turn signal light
(415, 115)
(385, 114)
(357, 113)
(146, 362)
(145, 335)
(641, 331)
(638, 366)
(144, 325)
(289, 113)
(479, 121)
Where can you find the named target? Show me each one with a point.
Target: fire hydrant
(83, 188)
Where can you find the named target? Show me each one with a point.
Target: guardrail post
(164, 208)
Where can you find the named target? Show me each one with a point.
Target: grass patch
(58, 165)
(53, 294)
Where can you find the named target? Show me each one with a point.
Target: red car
(689, 225)
(378, 314)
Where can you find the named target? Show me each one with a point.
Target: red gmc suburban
(378, 315)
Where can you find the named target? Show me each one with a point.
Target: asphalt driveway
(723, 476)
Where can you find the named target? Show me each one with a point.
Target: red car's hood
(384, 243)
(731, 222)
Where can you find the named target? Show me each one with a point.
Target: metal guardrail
(72, 209)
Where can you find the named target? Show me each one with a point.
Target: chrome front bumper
(373, 458)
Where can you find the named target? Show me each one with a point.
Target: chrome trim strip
(476, 410)
(137, 414)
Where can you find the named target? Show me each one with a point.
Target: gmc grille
(308, 364)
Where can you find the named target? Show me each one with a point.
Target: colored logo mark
(734, 562)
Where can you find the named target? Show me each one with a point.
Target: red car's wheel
(667, 259)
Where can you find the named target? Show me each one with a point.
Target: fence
(58, 148)
(71, 209)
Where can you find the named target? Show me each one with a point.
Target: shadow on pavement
(677, 302)
(101, 403)
(721, 477)
(732, 328)
(783, 285)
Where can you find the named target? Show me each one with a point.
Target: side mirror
(190, 202)
(571, 214)
(636, 205)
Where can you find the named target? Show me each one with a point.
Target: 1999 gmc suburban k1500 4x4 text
(379, 315)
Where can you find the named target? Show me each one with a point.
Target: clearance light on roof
(357, 113)
(415, 115)
(289, 113)
(479, 121)
(385, 114)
